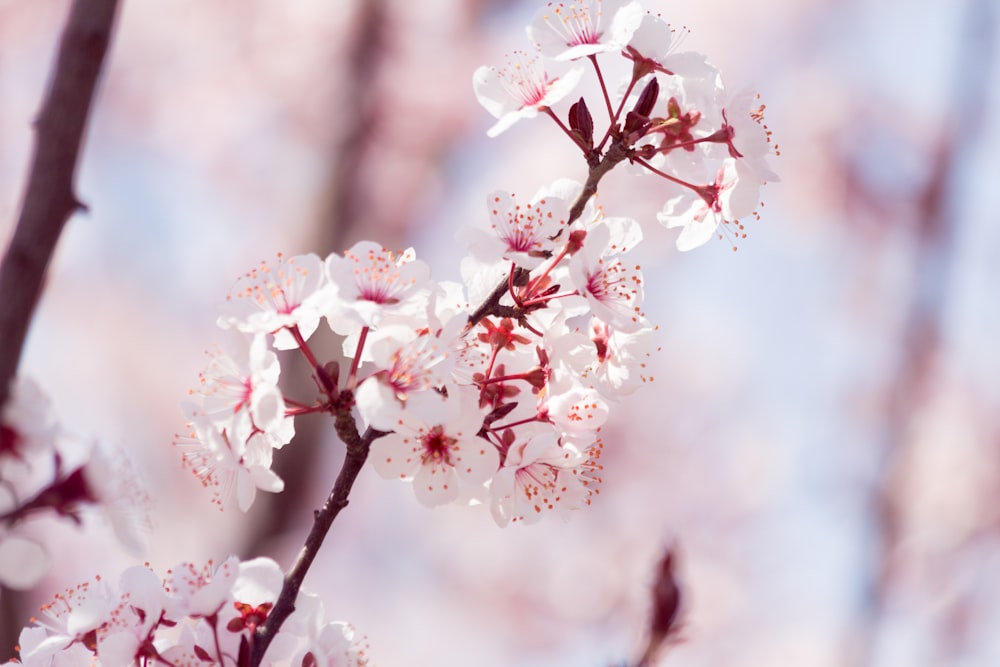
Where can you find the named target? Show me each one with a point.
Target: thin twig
(354, 459)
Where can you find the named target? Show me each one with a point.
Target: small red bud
(575, 241)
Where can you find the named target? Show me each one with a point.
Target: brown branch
(49, 199)
(357, 453)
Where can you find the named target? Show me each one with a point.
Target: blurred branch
(49, 199)
(934, 232)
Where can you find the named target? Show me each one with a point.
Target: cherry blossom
(368, 283)
(578, 28)
(27, 424)
(68, 625)
(409, 362)
(202, 591)
(239, 390)
(732, 195)
(318, 641)
(436, 446)
(611, 285)
(271, 298)
(525, 234)
(224, 464)
(128, 635)
(653, 47)
(746, 137)
(521, 89)
(540, 476)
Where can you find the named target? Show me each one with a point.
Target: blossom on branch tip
(745, 135)
(521, 89)
(653, 46)
(731, 196)
(577, 28)
(271, 298)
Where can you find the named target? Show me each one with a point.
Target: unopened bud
(575, 241)
(582, 123)
(647, 98)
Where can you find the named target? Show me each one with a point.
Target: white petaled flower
(654, 41)
(575, 410)
(435, 445)
(407, 362)
(271, 298)
(119, 492)
(202, 591)
(524, 234)
(749, 138)
(310, 639)
(611, 285)
(733, 195)
(142, 604)
(619, 363)
(540, 476)
(577, 28)
(224, 464)
(239, 390)
(68, 625)
(368, 282)
(27, 425)
(521, 89)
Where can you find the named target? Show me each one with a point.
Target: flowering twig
(617, 153)
(357, 453)
(49, 199)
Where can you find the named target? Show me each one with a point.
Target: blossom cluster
(494, 391)
(196, 616)
(672, 116)
(47, 472)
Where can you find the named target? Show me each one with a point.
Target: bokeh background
(821, 444)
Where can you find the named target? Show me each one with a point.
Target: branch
(354, 460)
(49, 199)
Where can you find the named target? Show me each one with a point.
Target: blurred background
(822, 441)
